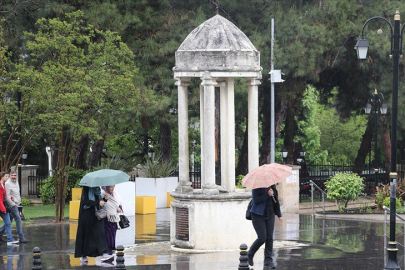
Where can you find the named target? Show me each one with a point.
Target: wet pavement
(315, 242)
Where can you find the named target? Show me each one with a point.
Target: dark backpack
(248, 214)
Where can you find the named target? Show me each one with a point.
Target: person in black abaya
(90, 238)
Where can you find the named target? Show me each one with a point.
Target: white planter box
(157, 187)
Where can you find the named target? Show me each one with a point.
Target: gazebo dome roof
(217, 45)
(216, 34)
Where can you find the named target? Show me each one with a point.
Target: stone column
(228, 135)
(208, 183)
(184, 185)
(202, 133)
(253, 123)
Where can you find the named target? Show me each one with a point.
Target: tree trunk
(289, 131)
(62, 173)
(280, 117)
(242, 168)
(95, 155)
(266, 126)
(364, 148)
(80, 153)
(165, 141)
(386, 141)
(145, 123)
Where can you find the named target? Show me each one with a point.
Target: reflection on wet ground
(331, 244)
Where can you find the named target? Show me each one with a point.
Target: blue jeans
(264, 229)
(14, 214)
(7, 226)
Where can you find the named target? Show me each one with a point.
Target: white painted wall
(217, 225)
(127, 193)
(157, 187)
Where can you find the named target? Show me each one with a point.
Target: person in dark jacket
(90, 238)
(265, 206)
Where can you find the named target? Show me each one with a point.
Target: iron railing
(320, 173)
(195, 178)
(397, 231)
(34, 184)
(314, 188)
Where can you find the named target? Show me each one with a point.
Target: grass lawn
(38, 211)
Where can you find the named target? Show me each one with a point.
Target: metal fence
(34, 184)
(320, 173)
(195, 178)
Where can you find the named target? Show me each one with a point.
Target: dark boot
(269, 265)
(23, 240)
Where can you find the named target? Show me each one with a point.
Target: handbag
(101, 213)
(124, 222)
(8, 204)
(248, 214)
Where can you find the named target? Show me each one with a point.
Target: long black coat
(90, 238)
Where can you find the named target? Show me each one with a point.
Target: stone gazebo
(217, 52)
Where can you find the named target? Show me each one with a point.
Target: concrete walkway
(303, 241)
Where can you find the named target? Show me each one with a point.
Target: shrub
(47, 190)
(239, 179)
(158, 169)
(116, 163)
(25, 201)
(379, 198)
(387, 202)
(344, 187)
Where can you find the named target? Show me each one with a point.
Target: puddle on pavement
(327, 241)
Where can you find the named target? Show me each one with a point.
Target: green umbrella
(104, 177)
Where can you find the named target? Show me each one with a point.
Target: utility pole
(275, 77)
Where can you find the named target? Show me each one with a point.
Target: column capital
(253, 82)
(182, 81)
(207, 79)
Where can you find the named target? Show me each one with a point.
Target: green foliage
(365, 208)
(326, 137)
(306, 50)
(239, 179)
(116, 163)
(344, 187)
(25, 201)
(307, 126)
(379, 198)
(48, 192)
(341, 138)
(387, 203)
(158, 169)
(83, 77)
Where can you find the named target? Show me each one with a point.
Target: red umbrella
(266, 175)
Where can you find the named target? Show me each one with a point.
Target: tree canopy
(314, 43)
(83, 79)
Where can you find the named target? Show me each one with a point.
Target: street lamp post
(284, 154)
(151, 154)
(374, 106)
(24, 157)
(396, 50)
